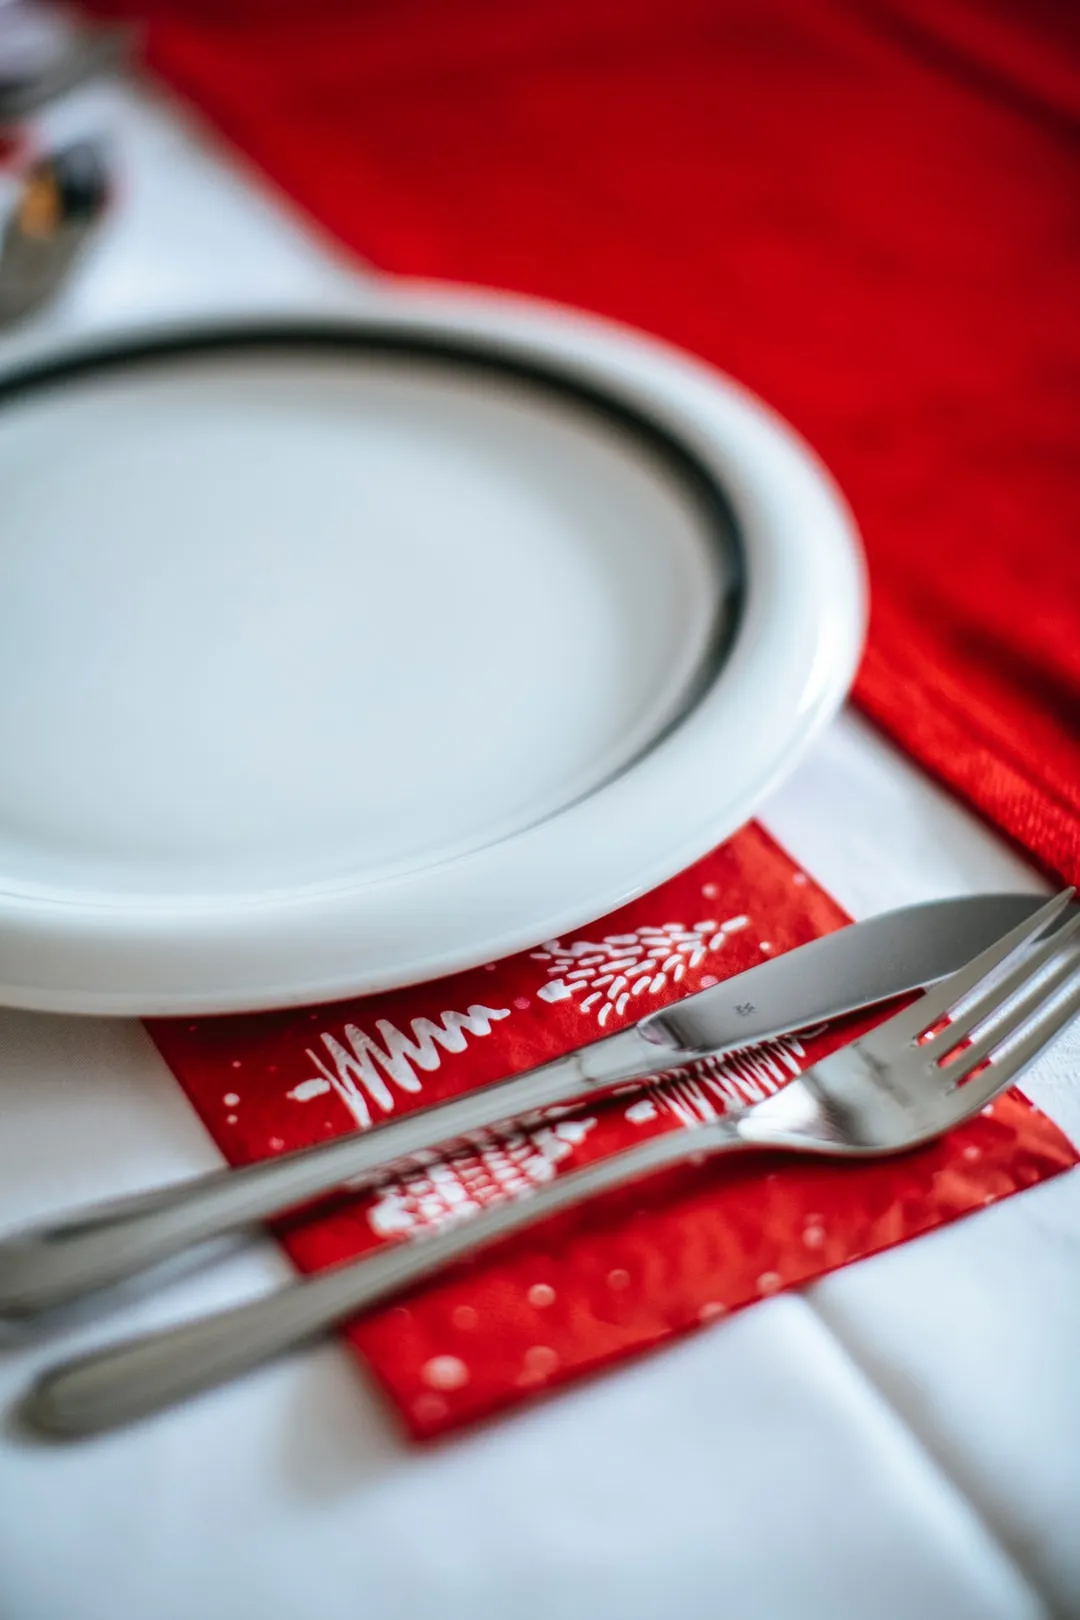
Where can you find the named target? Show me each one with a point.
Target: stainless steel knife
(840, 973)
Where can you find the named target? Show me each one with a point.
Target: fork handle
(145, 1375)
(50, 1264)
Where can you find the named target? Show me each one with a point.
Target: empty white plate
(336, 656)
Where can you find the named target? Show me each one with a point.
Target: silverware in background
(904, 1083)
(61, 200)
(854, 968)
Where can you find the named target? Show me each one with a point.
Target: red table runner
(634, 1268)
(865, 212)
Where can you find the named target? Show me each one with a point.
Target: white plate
(336, 656)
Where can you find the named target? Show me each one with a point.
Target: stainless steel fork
(909, 1080)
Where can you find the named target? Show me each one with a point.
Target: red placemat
(637, 1267)
(865, 212)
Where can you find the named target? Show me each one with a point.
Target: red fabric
(630, 1270)
(865, 212)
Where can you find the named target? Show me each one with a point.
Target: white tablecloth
(900, 1440)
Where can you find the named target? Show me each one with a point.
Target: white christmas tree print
(606, 975)
(509, 1165)
(363, 1069)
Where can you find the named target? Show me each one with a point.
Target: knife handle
(102, 1244)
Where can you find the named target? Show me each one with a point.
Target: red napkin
(634, 1268)
(865, 212)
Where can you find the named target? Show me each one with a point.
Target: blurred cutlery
(60, 202)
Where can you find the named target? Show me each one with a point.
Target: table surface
(898, 1439)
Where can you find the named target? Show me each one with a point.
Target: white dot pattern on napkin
(540, 1361)
(430, 1408)
(445, 1372)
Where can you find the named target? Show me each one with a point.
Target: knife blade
(853, 968)
(842, 972)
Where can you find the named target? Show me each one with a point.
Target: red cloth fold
(626, 1272)
(865, 212)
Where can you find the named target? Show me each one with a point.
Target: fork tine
(995, 995)
(1000, 1073)
(936, 1002)
(1016, 1016)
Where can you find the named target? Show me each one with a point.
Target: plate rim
(662, 394)
(380, 339)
